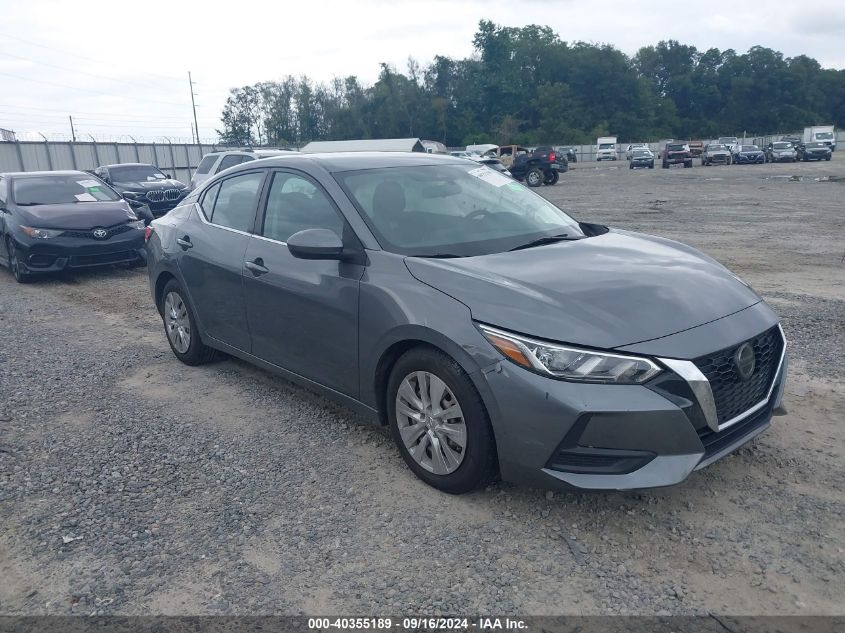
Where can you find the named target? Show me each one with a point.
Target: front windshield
(824, 135)
(750, 148)
(642, 152)
(457, 210)
(781, 145)
(713, 148)
(136, 173)
(816, 145)
(677, 148)
(728, 140)
(56, 189)
(606, 146)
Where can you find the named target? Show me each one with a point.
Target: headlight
(138, 224)
(571, 363)
(40, 234)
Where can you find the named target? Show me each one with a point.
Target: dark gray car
(491, 331)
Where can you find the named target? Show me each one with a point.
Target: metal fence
(178, 160)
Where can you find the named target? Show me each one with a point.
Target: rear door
(212, 255)
(302, 314)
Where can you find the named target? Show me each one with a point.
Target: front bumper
(60, 253)
(558, 434)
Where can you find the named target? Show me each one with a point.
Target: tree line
(525, 85)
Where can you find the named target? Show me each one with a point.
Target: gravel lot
(132, 484)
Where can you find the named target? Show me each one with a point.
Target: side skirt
(358, 407)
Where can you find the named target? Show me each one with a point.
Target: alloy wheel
(431, 422)
(176, 322)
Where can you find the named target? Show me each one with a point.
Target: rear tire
(180, 327)
(551, 178)
(534, 177)
(468, 460)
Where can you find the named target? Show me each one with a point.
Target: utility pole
(72, 131)
(194, 106)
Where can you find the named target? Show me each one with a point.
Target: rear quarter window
(205, 164)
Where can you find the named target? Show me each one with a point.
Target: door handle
(184, 242)
(257, 266)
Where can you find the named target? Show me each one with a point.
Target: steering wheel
(477, 214)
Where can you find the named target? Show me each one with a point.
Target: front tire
(181, 329)
(439, 422)
(15, 266)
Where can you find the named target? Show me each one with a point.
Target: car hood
(615, 289)
(78, 215)
(152, 185)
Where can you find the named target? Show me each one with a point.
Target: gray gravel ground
(132, 484)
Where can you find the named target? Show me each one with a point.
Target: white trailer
(821, 133)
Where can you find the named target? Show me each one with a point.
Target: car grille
(714, 442)
(731, 394)
(111, 232)
(163, 194)
(100, 259)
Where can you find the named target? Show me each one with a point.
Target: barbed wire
(84, 137)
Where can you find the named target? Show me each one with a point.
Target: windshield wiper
(548, 239)
(439, 255)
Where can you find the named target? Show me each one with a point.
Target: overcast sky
(120, 68)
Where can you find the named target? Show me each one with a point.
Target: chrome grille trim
(701, 388)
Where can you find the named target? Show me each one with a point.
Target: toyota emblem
(745, 361)
(100, 234)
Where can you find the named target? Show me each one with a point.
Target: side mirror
(315, 244)
(168, 176)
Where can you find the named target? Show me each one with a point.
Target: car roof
(252, 152)
(129, 165)
(350, 161)
(35, 174)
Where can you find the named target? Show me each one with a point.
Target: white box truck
(606, 148)
(821, 133)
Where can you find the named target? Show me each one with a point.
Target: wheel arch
(408, 338)
(162, 280)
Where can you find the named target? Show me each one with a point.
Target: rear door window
(237, 201)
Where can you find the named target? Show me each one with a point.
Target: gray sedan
(493, 333)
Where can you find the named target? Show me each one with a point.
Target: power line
(64, 110)
(81, 72)
(97, 92)
(90, 59)
(54, 117)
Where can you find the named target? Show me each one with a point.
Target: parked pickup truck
(676, 153)
(696, 148)
(543, 166)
